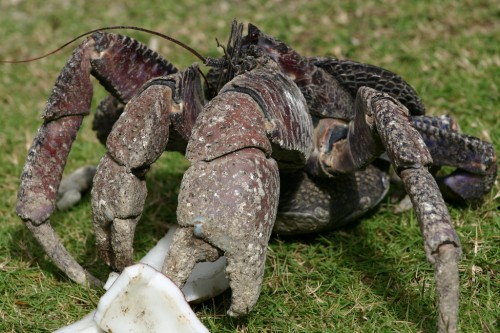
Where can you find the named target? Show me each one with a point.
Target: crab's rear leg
(475, 160)
(122, 65)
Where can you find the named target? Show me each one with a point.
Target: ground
(369, 277)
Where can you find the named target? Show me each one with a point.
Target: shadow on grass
(378, 272)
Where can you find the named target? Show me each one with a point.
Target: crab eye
(253, 33)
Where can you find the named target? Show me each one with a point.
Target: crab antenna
(171, 39)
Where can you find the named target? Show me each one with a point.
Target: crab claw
(229, 196)
(233, 217)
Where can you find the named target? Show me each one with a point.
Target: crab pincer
(229, 196)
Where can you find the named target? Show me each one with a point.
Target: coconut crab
(286, 143)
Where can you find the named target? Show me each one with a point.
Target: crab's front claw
(229, 196)
(227, 206)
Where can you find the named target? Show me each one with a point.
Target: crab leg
(138, 138)
(475, 160)
(122, 65)
(410, 157)
(382, 123)
(69, 102)
(442, 245)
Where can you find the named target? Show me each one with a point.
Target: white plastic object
(144, 300)
(151, 294)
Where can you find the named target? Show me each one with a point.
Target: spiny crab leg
(138, 138)
(442, 245)
(383, 123)
(410, 158)
(68, 103)
(475, 160)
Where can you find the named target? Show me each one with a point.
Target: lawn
(370, 277)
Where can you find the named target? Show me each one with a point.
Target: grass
(370, 277)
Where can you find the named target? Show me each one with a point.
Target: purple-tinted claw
(465, 187)
(475, 160)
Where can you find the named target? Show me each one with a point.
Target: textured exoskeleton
(286, 143)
